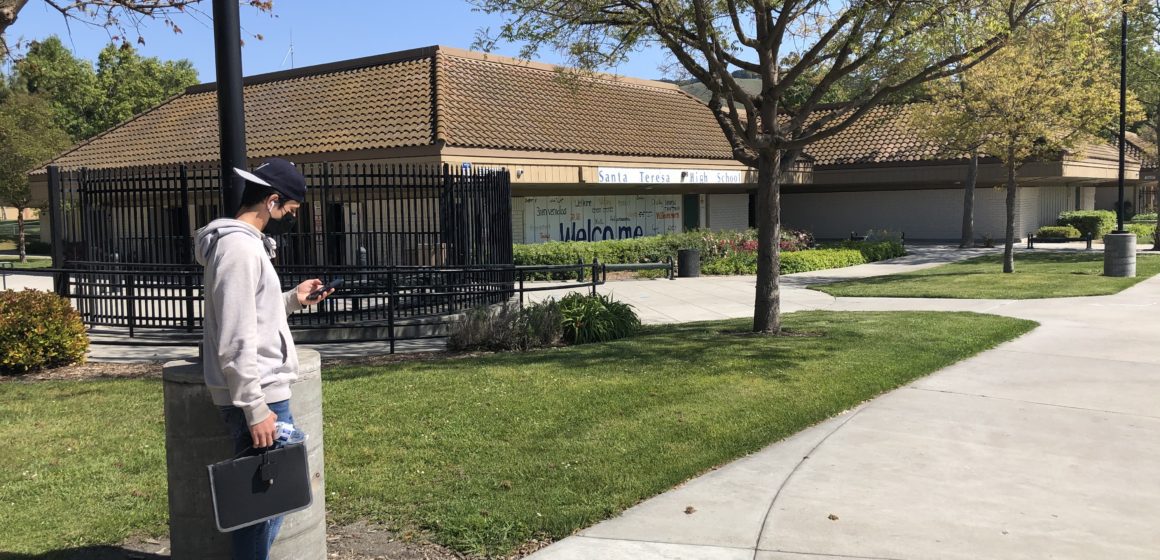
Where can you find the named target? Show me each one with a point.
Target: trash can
(688, 263)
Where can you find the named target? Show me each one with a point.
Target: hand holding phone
(332, 285)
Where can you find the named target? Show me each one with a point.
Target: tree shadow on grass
(87, 553)
(681, 347)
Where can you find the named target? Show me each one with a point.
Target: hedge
(1144, 232)
(712, 245)
(1096, 223)
(1057, 232)
(820, 259)
(722, 253)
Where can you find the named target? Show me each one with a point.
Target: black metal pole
(1123, 108)
(56, 227)
(231, 111)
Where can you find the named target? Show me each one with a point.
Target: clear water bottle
(285, 434)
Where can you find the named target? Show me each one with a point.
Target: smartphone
(333, 285)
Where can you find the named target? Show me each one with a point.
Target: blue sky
(342, 29)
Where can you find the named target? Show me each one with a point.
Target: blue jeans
(253, 542)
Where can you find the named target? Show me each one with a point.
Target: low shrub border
(1096, 223)
(726, 253)
(1057, 232)
(1145, 233)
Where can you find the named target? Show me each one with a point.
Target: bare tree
(118, 15)
(878, 49)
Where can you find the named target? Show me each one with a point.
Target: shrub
(713, 246)
(488, 329)
(1096, 223)
(1145, 233)
(722, 253)
(37, 247)
(875, 251)
(507, 327)
(39, 330)
(596, 318)
(1057, 232)
(818, 259)
(880, 235)
(1145, 217)
(543, 324)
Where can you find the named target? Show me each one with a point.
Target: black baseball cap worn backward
(279, 175)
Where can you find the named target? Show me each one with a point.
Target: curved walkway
(1045, 447)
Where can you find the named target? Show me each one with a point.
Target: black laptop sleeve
(252, 489)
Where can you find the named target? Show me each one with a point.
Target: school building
(590, 157)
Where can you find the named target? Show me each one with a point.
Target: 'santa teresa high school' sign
(628, 175)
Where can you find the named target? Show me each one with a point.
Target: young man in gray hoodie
(247, 351)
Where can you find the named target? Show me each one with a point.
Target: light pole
(227, 38)
(1120, 246)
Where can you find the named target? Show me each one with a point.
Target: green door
(691, 211)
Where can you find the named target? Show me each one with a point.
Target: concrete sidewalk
(1046, 447)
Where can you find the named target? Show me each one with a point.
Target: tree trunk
(767, 307)
(8, 11)
(20, 234)
(1009, 244)
(969, 203)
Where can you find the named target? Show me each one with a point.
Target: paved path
(1045, 447)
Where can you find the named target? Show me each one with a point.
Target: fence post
(186, 227)
(579, 269)
(391, 307)
(520, 276)
(595, 267)
(56, 214)
(131, 301)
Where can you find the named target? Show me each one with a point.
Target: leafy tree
(28, 138)
(887, 44)
(1143, 64)
(1050, 92)
(950, 120)
(87, 102)
(130, 84)
(947, 118)
(117, 15)
(68, 83)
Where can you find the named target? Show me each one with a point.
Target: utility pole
(231, 110)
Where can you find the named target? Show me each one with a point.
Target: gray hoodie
(247, 351)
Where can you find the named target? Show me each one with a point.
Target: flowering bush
(39, 330)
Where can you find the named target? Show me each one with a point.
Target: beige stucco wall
(727, 212)
(921, 214)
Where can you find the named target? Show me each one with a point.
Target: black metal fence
(411, 242)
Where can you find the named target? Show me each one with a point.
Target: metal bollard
(196, 436)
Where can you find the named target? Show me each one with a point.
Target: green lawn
(32, 262)
(483, 454)
(1037, 275)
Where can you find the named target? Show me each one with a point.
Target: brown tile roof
(464, 99)
(500, 104)
(394, 101)
(382, 106)
(883, 135)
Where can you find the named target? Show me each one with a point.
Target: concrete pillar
(1120, 255)
(195, 437)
